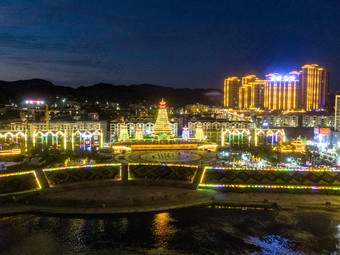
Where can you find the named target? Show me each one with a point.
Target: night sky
(193, 44)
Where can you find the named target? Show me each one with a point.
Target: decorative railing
(271, 178)
(229, 178)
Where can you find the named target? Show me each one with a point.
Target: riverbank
(109, 198)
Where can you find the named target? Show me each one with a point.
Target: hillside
(42, 89)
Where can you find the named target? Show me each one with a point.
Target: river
(200, 230)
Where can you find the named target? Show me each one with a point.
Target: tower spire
(162, 127)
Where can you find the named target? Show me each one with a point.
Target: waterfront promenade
(101, 197)
(145, 187)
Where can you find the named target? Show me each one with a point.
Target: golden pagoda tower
(139, 134)
(162, 127)
(124, 136)
(199, 135)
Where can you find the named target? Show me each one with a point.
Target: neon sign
(87, 136)
(38, 102)
(282, 78)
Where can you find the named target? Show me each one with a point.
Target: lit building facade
(198, 109)
(87, 139)
(231, 90)
(116, 127)
(337, 112)
(318, 120)
(269, 136)
(232, 137)
(314, 87)
(56, 139)
(213, 128)
(12, 140)
(281, 92)
(295, 120)
(147, 129)
(66, 127)
(244, 97)
(251, 94)
(140, 128)
(281, 120)
(306, 89)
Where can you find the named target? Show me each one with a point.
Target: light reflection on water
(337, 236)
(186, 231)
(273, 245)
(163, 229)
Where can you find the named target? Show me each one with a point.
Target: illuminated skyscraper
(300, 90)
(314, 87)
(251, 94)
(244, 97)
(231, 90)
(162, 126)
(281, 92)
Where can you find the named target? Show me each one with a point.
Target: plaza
(190, 157)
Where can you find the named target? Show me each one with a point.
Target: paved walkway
(111, 199)
(108, 199)
(284, 201)
(194, 157)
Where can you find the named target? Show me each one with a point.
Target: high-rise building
(314, 87)
(244, 97)
(281, 92)
(251, 94)
(231, 90)
(337, 112)
(300, 90)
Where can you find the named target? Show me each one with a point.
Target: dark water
(185, 231)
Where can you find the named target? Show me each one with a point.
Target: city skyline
(169, 127)
(169, 44)
(307, 89)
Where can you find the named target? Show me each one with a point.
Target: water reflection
(163, 229)
(124, 223)
(101, 226)
(337, 236)
(274, 245)
(186, 231)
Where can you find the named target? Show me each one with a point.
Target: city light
(79, 167)
(269, 186)
(37, 102)
(282, 78)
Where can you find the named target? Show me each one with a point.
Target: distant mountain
(34, 88)
(124, 94)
